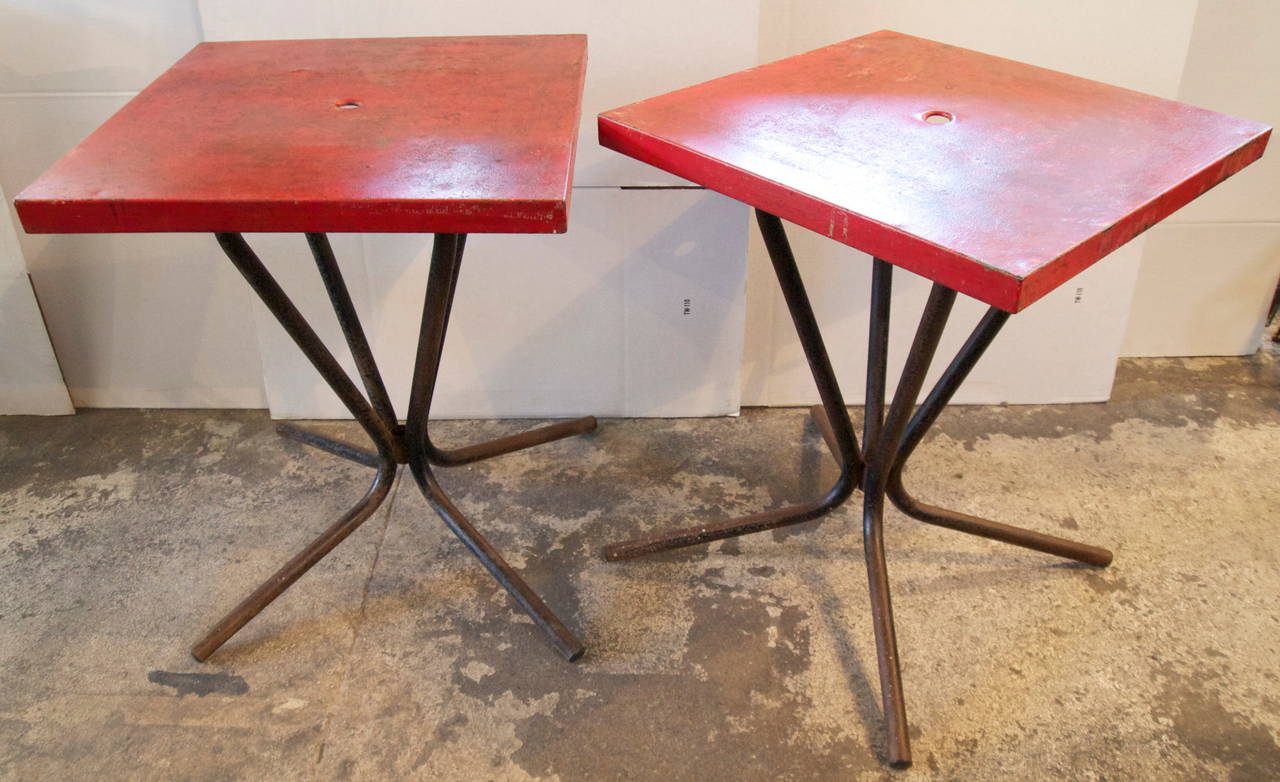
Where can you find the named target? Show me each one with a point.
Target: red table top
(452, 135)
(1036, 176)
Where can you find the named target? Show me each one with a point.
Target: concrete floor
(124, 534)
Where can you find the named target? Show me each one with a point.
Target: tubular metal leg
(340, 448)
(932, 323)
(294, 569)
(445, 258)
(449, 457)
(842, 434)
(924, 418)
(340, 298)
(983, 334)
(378, 430)
(353, 332)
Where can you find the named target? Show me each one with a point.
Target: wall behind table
(588, 322)
(30, 380)
(1209, 271)
(1061, 349)
(137, 320)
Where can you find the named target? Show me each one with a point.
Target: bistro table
(448, 136)
(989, 177)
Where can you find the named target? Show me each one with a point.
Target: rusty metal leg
(353, 332)
(445, 257)
(451, 457)
(842, 435)
(294, 569)
(924, 418)
(893, 448)
(378, 429)
(879, 463)
(340, 448)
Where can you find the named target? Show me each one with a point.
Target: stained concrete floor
(123, 534)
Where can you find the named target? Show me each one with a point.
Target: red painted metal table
(448, 136)
(992, 178)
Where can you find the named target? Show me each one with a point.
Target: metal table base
(888, 439)
(394, 444)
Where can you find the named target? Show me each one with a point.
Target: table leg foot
(516, 442)
(292, 570)
(707, 533)
(330, 445)
(1017, 536)
(560, 635)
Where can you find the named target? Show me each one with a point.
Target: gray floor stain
(1216, 735)
(199, 684)
(125, 534)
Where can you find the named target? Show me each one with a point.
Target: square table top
(1030, 176)
(429, 135)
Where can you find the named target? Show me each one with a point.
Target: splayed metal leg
(445, 258)
(843, 437)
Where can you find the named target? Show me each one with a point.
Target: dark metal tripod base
(395, 444)
(888, 441)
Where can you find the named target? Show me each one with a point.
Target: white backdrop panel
(30, 381)
(1062, 349)
(1204, 289)
(589, 322)
(159, 320)
(91, 45)
(1209, 273)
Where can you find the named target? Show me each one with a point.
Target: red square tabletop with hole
(457, 135)
(1028, 178)
(448, 136)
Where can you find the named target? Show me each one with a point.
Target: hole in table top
(936, 117)
(347, 104)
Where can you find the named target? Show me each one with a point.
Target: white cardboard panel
(1139, 44)
(293, 387)
(1057, 351)
(588, 322)
(635, 50)
(90, 45)
(685, 281)
(1232, 66)
(30, 381)
(138, 320)
(1061, 349)
(1208, 272)
(148, 320)
(1204, 289)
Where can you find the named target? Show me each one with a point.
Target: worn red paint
(453, 135)
(1036, 176)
